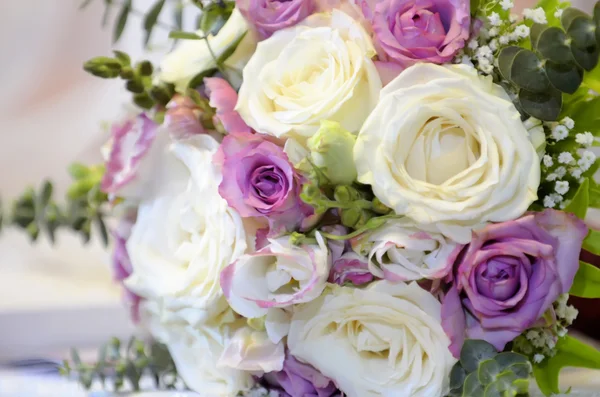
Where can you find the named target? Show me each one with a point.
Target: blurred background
(52, 113)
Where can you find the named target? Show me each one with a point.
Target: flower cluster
(360, 207)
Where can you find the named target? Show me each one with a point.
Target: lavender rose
(223, 98)
(269, 16)
(298, 379)
(509, 275)
(259, 181)
(411, 31)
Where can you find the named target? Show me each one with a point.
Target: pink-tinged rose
(299, 379)
(127, 162)
(252, 350)
(122, 264)
(259, 181)
(352, 268)
(411, 31)
(182, 117)
(269, 16)
(277, 276)
(509, 275)
(223, 98)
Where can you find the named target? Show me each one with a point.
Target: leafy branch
(117, 365)
(37, 211)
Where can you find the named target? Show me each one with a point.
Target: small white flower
(551, 177)
(561, 187)
(466, 60)
(563, 331)
(487, 69)
(585, 139)
(568, 122)
(473, 44)
(576, 173)
(484, 52)
(548, 203)
(558, 13)
(587, 160)
(495, 19)
(556, 197)
(566, 158)
(532, 334)
(513, 18)
(507, 4)
(571, 314)
(522, 31)
(561, 171)
(493, 32)
(493, 44)
(563, 205)
(504, 39)
(537, 15)
(548, 162)
(560, 132)
(538, 358)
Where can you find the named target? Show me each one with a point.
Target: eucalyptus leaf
(597, 13)
(543, 106)
(473, 352)
(457, 376)
(494, 389)
(583, 32)
(520, 370)
(506, 359)
(569, 353)
(566, 77)
(151, 19)
(535, 32)
(121, 20)
(580, 201)
(569, 15)
(587, 281)
(487, 371)
(527, 72)
(587, 58)
(552, 45)
(506, 59)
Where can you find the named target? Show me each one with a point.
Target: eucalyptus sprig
(118, 367)
(36, 211)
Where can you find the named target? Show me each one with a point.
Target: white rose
(318, 70)
(385, 340)
(447, 146)
(197, 350)
(192, 57)
(399, 251)
(185, 235)
(253, 350)
(279, 275)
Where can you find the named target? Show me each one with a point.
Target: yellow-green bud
(143, 100)
(135, 86)
(332, 150)
(145, 68)
(127, 73)
(104, 67)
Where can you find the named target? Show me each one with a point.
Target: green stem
(214, 57)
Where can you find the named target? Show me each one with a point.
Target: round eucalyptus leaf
(569, 15)
(545, 106)
(534, 33)
(487, 371)
(506, 378)
(472, 387)
(565, 77)
(552, 45)
(505, 60)
(506, 359)
(494, 389)
(521, 370)
(527, 72)
(597, 14)
(475, 351)
(521, 386)
(457, 376)
(586, 58)
(583, 32)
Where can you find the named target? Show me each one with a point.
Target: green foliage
(483, 372)
(36, 211)
(570, 353)
(117, 364)
(587, 281)
(151, 19)
(580, 201)
(214, 16)
(555, 64)
(121, 20)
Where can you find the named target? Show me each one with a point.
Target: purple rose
(131, 142)
(223, 98)
(269, 16)
(509, 275)
(300, 380)
(347, 265)
(411, 31)
(259, 181)
(122, 264)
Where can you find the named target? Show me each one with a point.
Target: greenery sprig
(119, 367)
(37, 212)
(556, 63)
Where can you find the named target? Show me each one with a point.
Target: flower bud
(332, 150)
(145, 68)
(103, 67)
(127, 73)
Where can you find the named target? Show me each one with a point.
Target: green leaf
(85, 4)
(587, 281)
(569, 353)
(176, 34)
(75, 357)
(214, 17)
(457, 377)
(121, 20)
(472, 387)
(506, 59)
(474, 6)
(528, 73)
(178, 14)
(543, 106)
(535, 32)
(580, 201)
(521, 370)
(473, 352)
(569, 15)
(45, 195)
(487, 371)
(106, 14)
(506, 359)
(582, 32)
(494, 389)
(122, 57)
(198, 79)
(592, 242)
(151, 19)
(565, 77)
(102, 230)
(552, 45)
(587, 58)
(594, 194)
(230, 50)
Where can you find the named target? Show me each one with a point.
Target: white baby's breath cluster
(260, 391)
(558, 166)
(540, 343)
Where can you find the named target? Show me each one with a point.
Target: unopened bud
(127, 73)
(143, 100)
(103, 67)
(135, 86)
(145, 68)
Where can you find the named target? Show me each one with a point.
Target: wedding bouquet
(370, 198)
